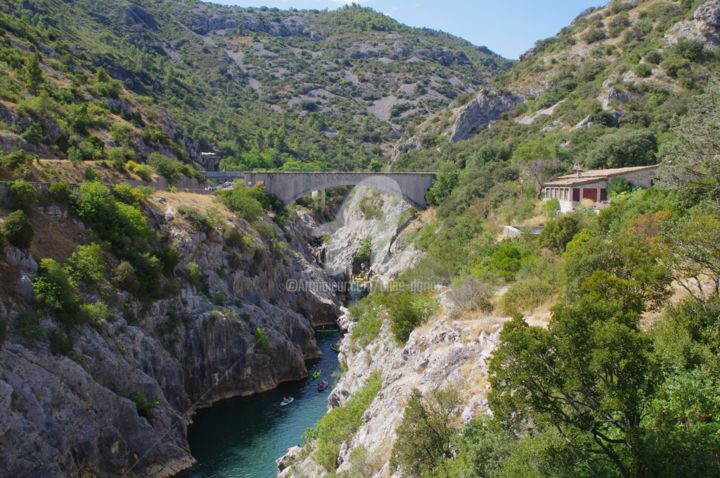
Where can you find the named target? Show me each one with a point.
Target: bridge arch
(289, 186)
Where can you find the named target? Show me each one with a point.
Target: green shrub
(60, 342)
(27, 324)
(557, 233)
(143, 171)
(91, 174)
(129, 194)
(341, 422)
(233, 237)
(199, 221)
(125, 278)
(86, 264)
(368, 317)
(170, 169)
(424, 437)
(643, 70)
(169, 259)
(502, 261)
(445, 183)
(17, 229)
(22, 195)
(594, 34)
(653, 57)
(526, 295)
(54, 289)
(262, 340)
(143, 405)
(691, 50)
(371, 208)
(364, 253)
(623, 148)
(407, 311)
(194, 273)
(97, 312)
(59, 193)
(243, 201)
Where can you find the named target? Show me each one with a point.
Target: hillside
(264, 88)
(628, 69)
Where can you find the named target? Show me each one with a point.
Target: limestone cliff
(74, 415)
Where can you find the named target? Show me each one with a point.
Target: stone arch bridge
(289, 186)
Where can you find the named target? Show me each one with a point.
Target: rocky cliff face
(74, 415)
(447, 352)
(370, 214)
(486, 107)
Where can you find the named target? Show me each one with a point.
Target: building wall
(643, 179)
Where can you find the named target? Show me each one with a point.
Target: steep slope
(265, 88)
(627, 66)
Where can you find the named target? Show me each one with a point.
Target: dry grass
(54, 237)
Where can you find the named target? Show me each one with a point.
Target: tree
(692, 248)
(691, 160)
(683, 426)
(558, 233)
(424, 436)
(444, 184)
(23, 195)
(588, 375)
(540, 170)
(32, 74)
(18, 230)
(623, 148)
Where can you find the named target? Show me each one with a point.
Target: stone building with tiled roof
(591, 187)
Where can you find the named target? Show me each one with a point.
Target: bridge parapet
(288, 186)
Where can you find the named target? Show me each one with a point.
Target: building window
(603, 195)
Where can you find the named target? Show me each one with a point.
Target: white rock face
(369, 214)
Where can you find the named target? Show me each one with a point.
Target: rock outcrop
(486, 107)
(704, 26)
(118, 404)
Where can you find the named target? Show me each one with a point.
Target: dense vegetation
(131, 83)
(600, 391)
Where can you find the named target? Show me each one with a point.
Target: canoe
(335, 348)
(323, 385)
(287, 402)
(316, 374)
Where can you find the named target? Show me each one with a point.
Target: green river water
(242, 438)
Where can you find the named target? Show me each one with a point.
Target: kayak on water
(287, 401)
(335, 348)
(316, 374)
(323, 385)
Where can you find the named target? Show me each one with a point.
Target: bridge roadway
(288, 186)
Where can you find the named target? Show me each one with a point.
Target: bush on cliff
(22, 195)
(244, 201)
(341, 422)
(54, 289)
(18, 230)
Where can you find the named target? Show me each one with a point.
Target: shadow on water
(242, 437)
